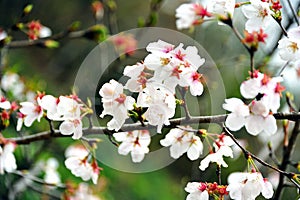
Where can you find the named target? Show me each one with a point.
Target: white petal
(267, 190)
(234, 122)
(270, 125)
(67, 128)
(254, 124)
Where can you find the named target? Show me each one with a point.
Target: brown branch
(287, 152)
(137, 126)
(247, 153)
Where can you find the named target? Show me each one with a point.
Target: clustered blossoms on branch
(66, 109)
(155, 80)
(257, 116)
(81, 163)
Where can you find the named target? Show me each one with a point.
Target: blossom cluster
(265, 93)
(81, 163)
(155, 80)
(69, 110)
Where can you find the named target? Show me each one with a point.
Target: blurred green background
(54, 71)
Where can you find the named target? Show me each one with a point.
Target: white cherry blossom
(160, 105)
(4, 104)
(77, 160)
(3, 34)
(31, 111)
(7, 158)
(182, 141)
(115, 103)
(221, 7)
(289, 47)
(49, 103)
(138, 79)
(134, 142)
(259, 15)
(72, 126)
(247, 186)
(255, 117)
(51, 174)
(216, 157)
(197, 191)
(239, 111)
(187, 16)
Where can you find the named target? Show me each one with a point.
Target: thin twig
(38, 180)
(294, 12)
(287, 152)
(248, 153)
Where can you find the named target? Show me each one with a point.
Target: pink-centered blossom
(255, 117)
(189, 14)
(115, 103)
(268, 88)
(197, 191)
(31, 111)
(174, 66)
(259, 15)
(289, 47)
(78, 162)
(182, 141)
(248, 186)
(134, 142)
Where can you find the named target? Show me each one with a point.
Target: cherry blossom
(261, 84)
(7, 158)
(115, 103)
(289, 46)
(160, 104)
(138, 78)
(3, 34)
(32, 112)
(78, 162)
(221, 7)
(11, 82)
(247, 186)
(49, 103)
(72, 126)
(182, 141)
(124, 43)
(37, 30)
(259, 15)
(4, 104)
(189, 14)
(255, 117)
(216, 157)
(83, 192)
(51, 174)
(239, 111)
(174, 66)
(136, 142)
(197, 191)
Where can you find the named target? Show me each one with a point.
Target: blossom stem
(247, 153)
(283, 68)
(250, 50)
(293, 12)
(185, 107)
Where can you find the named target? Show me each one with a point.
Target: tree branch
(137, 126)
(247, 153)
(287, 152)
